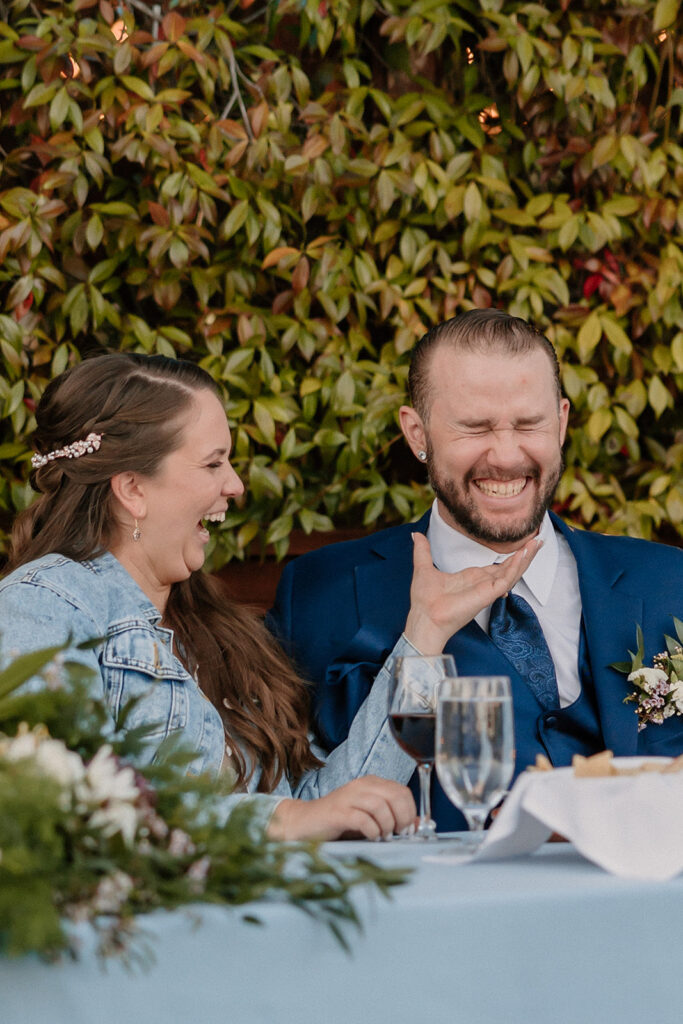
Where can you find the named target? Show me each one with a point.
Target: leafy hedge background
(292, 193)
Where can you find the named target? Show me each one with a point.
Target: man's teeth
(501, 488)
(215, 517)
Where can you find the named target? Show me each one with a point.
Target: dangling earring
(136, 532)
(422, 456)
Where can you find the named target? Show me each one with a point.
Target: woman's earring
(422, 456)
(136, 532)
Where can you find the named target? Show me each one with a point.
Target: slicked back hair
(478, 330)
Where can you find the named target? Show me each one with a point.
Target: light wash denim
(46, 601)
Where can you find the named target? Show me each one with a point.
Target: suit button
(551, 721)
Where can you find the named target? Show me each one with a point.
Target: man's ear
(413, 429)
(129, 493)
(564, 417)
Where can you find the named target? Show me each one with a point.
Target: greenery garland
(88, 835)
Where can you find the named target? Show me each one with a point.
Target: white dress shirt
(550, 585)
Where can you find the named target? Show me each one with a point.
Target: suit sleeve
(370, 748)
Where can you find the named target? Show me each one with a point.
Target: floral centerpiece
(88, 835)
(658, 692)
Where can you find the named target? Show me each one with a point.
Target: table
(541, 939)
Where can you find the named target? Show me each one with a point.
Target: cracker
(596, 766)
(600, 766)
(542, 764)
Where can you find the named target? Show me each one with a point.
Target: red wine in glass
(415, 734)
(411, 713)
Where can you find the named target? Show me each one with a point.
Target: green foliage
(83, 837)
(291, 195)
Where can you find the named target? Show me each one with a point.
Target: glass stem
(426, 828)
(476, 818)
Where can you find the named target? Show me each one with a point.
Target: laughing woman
(132, 459)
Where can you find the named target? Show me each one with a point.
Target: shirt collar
(453, 551)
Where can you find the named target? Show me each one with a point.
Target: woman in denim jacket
(132, 460)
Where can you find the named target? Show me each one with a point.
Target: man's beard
(472, 522)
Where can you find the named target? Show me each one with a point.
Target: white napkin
(631, 825)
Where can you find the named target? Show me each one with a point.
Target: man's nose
(505, 447)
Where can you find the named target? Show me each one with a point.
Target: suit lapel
(383, 584)
(610, 614)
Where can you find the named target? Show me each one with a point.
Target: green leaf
(622, 666)
(59, 108)
(616, 334)
(598, 424)
(472, 204)
(658, 396)
(41, 93)
(26, 666)
(678, 626)
(665, 14)
(235, 219)
(329, 438)
(511, 215)
(138, 86)
(265, 422)
(115, 209)
(589, 335)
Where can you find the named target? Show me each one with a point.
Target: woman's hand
(441, 603)
(368, 807)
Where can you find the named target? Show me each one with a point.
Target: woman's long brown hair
(138, 403)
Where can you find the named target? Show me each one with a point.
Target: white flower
(677, 695)
(60, 763)
(112, 788)
(649, 679)
(51, 757)
(197, 872)
(21, 746)
(105, 780)
(180, 844)
(53, 673)
(112, 892)
(116, 816)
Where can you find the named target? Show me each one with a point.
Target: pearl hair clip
(69, 451)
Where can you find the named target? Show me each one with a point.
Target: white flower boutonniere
(658, 690)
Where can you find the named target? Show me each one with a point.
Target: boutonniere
(658, 692)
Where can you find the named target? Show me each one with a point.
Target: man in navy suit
(488, 419)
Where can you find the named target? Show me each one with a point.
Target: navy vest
(559, 734)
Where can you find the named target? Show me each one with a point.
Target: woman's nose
(233, 486)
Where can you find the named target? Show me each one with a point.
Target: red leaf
(590, 285)
(173, 26)
(158, 213)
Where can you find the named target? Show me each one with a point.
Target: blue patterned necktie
(516, 631)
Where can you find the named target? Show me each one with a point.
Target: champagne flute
(475, 751)
(412, 713)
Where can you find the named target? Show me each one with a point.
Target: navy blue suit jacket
(340, 610)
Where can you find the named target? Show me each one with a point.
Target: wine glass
(412, 713)
(475, 751)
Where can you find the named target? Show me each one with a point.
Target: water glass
(475, 751)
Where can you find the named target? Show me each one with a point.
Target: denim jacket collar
(108, 565)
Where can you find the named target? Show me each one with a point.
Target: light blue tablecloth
(548, 939)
